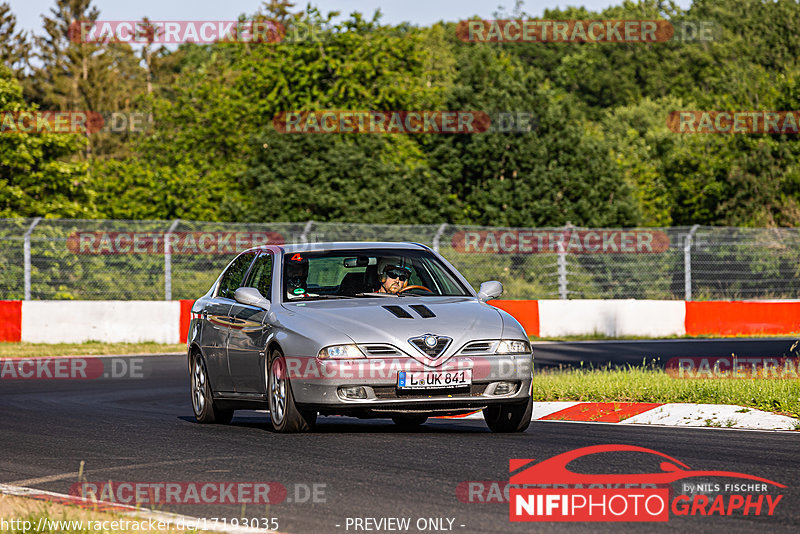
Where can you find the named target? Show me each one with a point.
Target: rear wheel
(205, 410)
(409, 421)
(285, 415)
(509, 417)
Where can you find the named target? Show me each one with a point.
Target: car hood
(368, 320)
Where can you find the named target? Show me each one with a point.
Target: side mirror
(252, 297)
(490, 290)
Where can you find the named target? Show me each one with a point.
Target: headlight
(340, 352)
(513, 346)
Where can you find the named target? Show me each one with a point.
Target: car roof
(290, 248)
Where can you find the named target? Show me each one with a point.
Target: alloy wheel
(198, 387)
(278, 389)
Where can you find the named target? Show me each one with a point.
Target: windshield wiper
(311, 297)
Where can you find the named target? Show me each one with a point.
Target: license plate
(434, 379)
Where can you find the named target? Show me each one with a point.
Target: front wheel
(205, 411)
(509, 417)
(285, 415)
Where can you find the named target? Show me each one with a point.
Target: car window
(234, 275)
(325, 272)
(261, 275)
(350, 273)
(430, 272)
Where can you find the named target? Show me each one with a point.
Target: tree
(14, 46)
(344, 177)
(560, 171)
(74, 75)
(38, 172)
(216, 117)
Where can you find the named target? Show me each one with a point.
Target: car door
(250, 329)
(216, 316)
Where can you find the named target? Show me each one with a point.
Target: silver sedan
(362, 329)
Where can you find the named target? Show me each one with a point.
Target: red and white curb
(180, 522)
(672, 414)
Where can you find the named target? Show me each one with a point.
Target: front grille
(391, 392)
(442, 343)
(453, 409)
(380, 350)
(477, 346)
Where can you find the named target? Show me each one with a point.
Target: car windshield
(367, 273)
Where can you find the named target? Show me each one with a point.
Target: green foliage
(38, 175)
(559, 172)
(343, 178)
(600, 153)
(15, 48)
(131, 189)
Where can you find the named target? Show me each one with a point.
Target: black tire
(284, 414)
(203, 405)
(409, 421)
(509, 417)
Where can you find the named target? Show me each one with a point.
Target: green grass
(90, 348)
(654, 385)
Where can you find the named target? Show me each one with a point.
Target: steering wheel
(414, 287)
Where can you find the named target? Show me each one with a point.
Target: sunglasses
(400, 275)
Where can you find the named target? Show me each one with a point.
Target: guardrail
(168, 322)
(64, 259)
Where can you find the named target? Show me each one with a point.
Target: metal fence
(155, 260)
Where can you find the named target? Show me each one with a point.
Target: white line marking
(74, 474)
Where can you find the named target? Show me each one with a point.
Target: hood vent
(422, 310)
(399, 312)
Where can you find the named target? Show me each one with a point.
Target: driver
(393, 275)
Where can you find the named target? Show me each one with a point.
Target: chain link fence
(52, 259)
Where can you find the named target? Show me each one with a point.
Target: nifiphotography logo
(548, 491)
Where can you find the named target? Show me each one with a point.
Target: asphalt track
(658, 352)
(142, 430)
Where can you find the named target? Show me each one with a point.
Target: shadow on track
(350, 425)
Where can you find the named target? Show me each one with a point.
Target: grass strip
(90, 348)
(645, 384)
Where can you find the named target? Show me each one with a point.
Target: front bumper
(317, 384)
